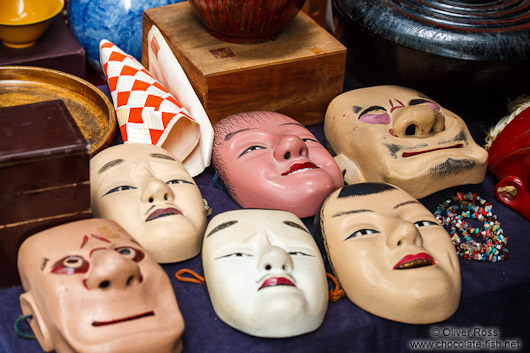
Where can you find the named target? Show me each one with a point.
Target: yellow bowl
(23, 22)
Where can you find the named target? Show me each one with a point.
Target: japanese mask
(149, 193)
(268, 160)
(397, 135)
(509, 160)
(389, 254)
(91, 288)
(264, 272)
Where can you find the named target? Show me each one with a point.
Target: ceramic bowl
(245, 21)
(23, 22)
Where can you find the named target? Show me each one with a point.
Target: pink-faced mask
(90, 287)
(269, 160)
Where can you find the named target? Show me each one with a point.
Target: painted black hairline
(363, 189)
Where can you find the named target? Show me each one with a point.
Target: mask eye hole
(425, 224)
(131, 253)
(428, 103)
(70, 265)
(375, 115)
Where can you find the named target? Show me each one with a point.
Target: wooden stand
(296, 74)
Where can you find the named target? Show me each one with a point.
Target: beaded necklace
(452, 214)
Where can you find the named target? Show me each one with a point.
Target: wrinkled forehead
(242, 224)
(239, 123)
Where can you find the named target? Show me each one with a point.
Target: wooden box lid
(40, 146)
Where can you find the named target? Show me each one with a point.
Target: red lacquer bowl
(245, 21)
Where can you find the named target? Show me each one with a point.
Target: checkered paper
(145, 110)
(165, 67)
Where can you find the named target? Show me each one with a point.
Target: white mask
(264, 273)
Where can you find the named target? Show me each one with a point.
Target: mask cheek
(381, 119)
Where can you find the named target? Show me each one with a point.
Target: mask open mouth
(163, 212)
(414, 261)
(128, 318)
(412, 154)
(299, 167)
(276, 281)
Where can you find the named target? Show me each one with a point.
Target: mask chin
(37, 324)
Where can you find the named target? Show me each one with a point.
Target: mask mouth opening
(414, 264)
(128, 318)
(415, 153)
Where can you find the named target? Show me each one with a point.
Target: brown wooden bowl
(245, 21)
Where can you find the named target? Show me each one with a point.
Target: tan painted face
(397, 135)
(264, 273)
(390, 255)
(91, 288)
(149, 193)
(271, 161)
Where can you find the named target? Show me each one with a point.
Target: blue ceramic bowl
(117, 21)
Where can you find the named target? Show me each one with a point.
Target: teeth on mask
(414, 263)
(299, 170)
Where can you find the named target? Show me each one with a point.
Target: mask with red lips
(91, 288)
(389, 253)
(397, 135)
(264, 273)
(268, 160)
(150, 194)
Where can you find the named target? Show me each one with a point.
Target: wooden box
(44, 176)
(296, 74)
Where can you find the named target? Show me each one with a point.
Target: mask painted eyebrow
(110, 164)
(233, 133)
(162, 156)
(221, 227)
(295, 225)
(297, 124)
(372, 108)
(406, 203)
(350, 212)
(44, 262)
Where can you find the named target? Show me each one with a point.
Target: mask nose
(155, 190)
(405, 233)
(418, 121)
(290, 146)
(111, 271)
(274, 258)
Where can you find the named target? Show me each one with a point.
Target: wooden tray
(90, 108)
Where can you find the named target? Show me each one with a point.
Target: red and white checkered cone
(146, 111)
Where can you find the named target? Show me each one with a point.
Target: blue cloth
(494, 295)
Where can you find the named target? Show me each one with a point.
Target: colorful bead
(452, 214)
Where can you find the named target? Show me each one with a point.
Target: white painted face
(264, 273)
(149, 193)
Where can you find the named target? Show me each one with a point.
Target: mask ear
(39, 327)
(349, 169)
